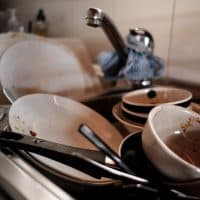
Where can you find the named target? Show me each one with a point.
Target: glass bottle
(40, 26)
(13, 24)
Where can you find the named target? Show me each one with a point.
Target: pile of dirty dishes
(133, 109)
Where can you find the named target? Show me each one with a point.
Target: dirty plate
(57, 119)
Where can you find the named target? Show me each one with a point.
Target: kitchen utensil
(98, 142)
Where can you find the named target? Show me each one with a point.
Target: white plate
(128, 124)
(38, 66)
(57, 119)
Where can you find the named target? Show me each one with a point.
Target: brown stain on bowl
(190, 121)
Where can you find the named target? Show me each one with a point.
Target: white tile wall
(185, 50)
(66, 19)
(94, 37)
(153, 15)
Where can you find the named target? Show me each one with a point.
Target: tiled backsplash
(66, 19)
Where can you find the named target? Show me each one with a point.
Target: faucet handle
(140, 39)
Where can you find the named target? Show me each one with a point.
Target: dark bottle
(40, 26)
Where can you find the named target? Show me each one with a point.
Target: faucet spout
(97, 18)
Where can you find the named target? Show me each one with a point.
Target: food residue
(32, 133)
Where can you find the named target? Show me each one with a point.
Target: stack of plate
(135, 106)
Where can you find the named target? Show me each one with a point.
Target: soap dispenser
(40, 26)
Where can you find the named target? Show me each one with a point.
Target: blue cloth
(139, 66)
(110, 64)
(142, 66)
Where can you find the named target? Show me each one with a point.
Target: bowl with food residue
(171, 141)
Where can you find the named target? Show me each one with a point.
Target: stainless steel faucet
(97, 18)
(140, 39)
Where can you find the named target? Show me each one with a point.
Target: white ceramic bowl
(166, 121)
(143, 100)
